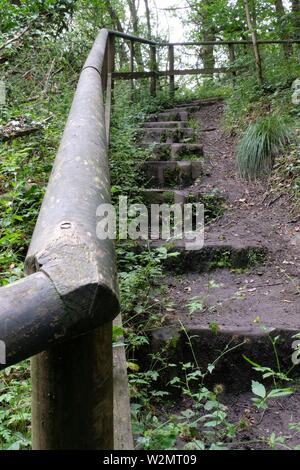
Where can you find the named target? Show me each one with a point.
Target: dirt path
(253, 215)
(269, 292)
(242, 288)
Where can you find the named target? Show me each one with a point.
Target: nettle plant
(279, 377)
(203, 424)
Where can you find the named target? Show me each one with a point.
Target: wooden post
(132, 67)
(153, 67)
(72, 394)
(123, 439)
(171, 69)
(254, 42)
(232, 59)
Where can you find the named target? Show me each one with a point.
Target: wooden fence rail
(154, 73)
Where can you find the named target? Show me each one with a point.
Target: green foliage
(126, 157)
(140, 276)
(52, 15)
(23, 177)
(221, 260)
(203, 425)
(261, 396)
(205, 89)
(25, 164)
(260, 144)
(15, 413)
(200, 421)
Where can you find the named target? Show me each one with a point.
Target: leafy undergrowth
(15, 408)
(25, 164)
(285, 180)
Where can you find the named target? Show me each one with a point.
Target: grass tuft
(260, 144)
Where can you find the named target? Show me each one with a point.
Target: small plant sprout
(196, 304)
(213, 284)
(262, 396)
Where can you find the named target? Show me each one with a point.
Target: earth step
(176, 151)
(166, 124)
(209, 129)
(213, 256)
(206, 344)
(237, 308)
(191, 107)
(171, 173)
(188, 108)
(186, 150)
(163, 196)
(165, 116)
(229, 298)
(202, 102)
(158, 134)
(210, 257)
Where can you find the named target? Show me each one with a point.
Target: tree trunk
(208, 34)
(118, 26)
(207, 52)
(136, 32)
(280, 13)
(148, 18)
(254, 42)
(296, 18)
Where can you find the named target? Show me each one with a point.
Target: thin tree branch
(174, 8)
(14, 39)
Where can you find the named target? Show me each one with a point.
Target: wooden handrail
(130, 37)
(232, 42)
(66, 304)
(170, 73)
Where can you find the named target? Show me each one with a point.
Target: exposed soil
(260, 425)
(255, 427)
(239, 300)
(253, 215)
(268, 294)
(264, 295)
